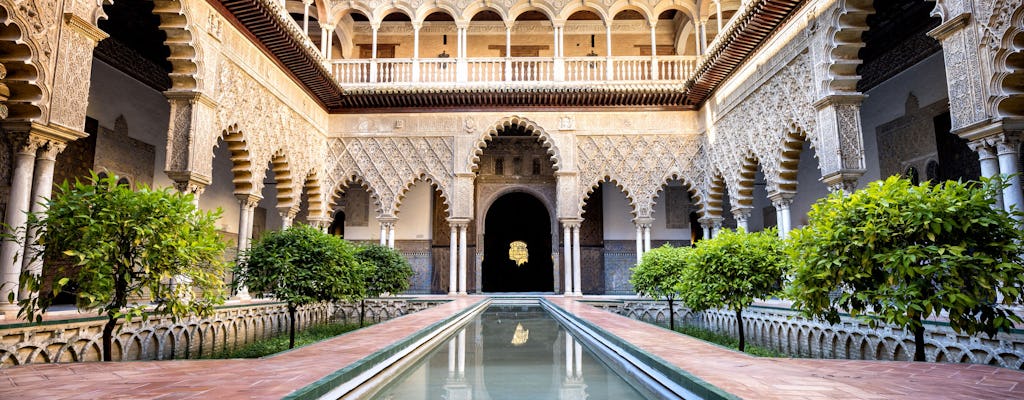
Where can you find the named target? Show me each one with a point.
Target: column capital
(643, 221)
(781, 197)
(387, 219)
(189, 182)
(741, 213)
(571, 222)
(191, 96)
(984, 147)
(839, 99)
(951, 26)
(844, 181)
(288, 211)
(307, 2)
(248, 200)
(1007, 142)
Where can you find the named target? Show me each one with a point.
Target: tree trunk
(108, 337)
(291, 326)
(918, 339)
(362, 311)
(671, 315)
(739, 330)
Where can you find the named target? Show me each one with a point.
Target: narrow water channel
(510, 352)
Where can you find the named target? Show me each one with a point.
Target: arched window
(931, 172)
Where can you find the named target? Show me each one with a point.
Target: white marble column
(461, 64)
(1013, 198)
(461, 349)
(16, 218)
(609, 74)
(391, 235)
(577, 287)
(462, 257)
(42, 190)
(288, 216)
(989, 165)
(782, 201)
(416, 51)
(639, 242)
(508, 52)
(705, 226)
(718, 14)
(654, 50)
(452, 356)
(567, 247)
(383, 233)
(305, 15)
(647, 237)
(246, 209)
(453, 260)
(742, 215)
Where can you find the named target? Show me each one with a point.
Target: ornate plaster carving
(531, 128)
(389, 166)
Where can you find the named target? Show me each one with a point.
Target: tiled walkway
(736, 373)
(269, 378)
(784, 378)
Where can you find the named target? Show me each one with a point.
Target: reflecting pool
(509, 352)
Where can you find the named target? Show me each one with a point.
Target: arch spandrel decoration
(639, 164)
(389, 165)
(760, 124)
(273, 130)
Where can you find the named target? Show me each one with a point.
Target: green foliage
(732, 269)
(279, 343)
(660, 272)
(391, 271)
(899, 253)
(722, 339)
(119, 244)
(301, 265)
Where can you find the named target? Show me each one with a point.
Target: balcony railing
(514, 69)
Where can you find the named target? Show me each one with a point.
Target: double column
(387, 231)
(742, 215)
(457, 257)
(571, 248)
(999, 157)
(710, 226)
(643, 237)
(782, 201)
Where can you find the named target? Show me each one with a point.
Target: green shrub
(389, 272)
(659, 274)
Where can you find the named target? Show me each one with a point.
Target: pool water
(509, 352)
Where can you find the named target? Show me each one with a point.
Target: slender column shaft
(577, 288)
(16, 218)
(416, 53)
(639, 243)
(383, 234)
(451, 357)
(704, 34)
(646, 237)
(578, 354)
(391, 235)
(244, 225)
(42, 188)
(323, 42)
(568, 354)
(696, 39)
(654, 42)
(718, 15)
(305, 17)
(706, 229)
(741, 216)
(453, 259)
(609, 74)
(1013, 199)
(373, 45)
(989, 166)
(567, 246)
(462, 259)
(462, 353)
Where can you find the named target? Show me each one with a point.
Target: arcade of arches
(515, 146)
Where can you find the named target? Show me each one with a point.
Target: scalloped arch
(435, 184)
(346, 181)
(1008, 77)
(533, 128)
(27, 99)
(609, 178)
(186, 55)
(241, 162)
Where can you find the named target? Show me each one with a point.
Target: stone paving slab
(792, 378)
(737, 373)
(266, 378)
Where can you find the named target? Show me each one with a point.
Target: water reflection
(481, 361)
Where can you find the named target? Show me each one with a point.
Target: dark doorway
(517, 217)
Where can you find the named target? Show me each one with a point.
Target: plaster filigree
(275, 134)
(759, 127)
(36, 25)
(639, 165)
(389, 166)
(176, 20)
(5, 92)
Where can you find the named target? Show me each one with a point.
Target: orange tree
(658, 276)
(733, 269)
(119, 244)
(898, 253)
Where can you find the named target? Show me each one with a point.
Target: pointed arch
(691, 188)
(846, 23)
(286, 193)
(741, 192)
(529, 126)
(435, 184)
(346, 181)
(186, 55)
(607, 177)
(241, 162)
(791, 147)
(1007, 99)
(27, 99)
(314, 195)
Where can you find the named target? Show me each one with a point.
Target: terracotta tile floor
(268, 378)
(736, 373)
(784, 378)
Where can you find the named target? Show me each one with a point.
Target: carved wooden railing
(513, 69)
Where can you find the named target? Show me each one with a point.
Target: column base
(463, 294)
(9, 311)
(452, 293)
(577, 294)
(241, 296)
